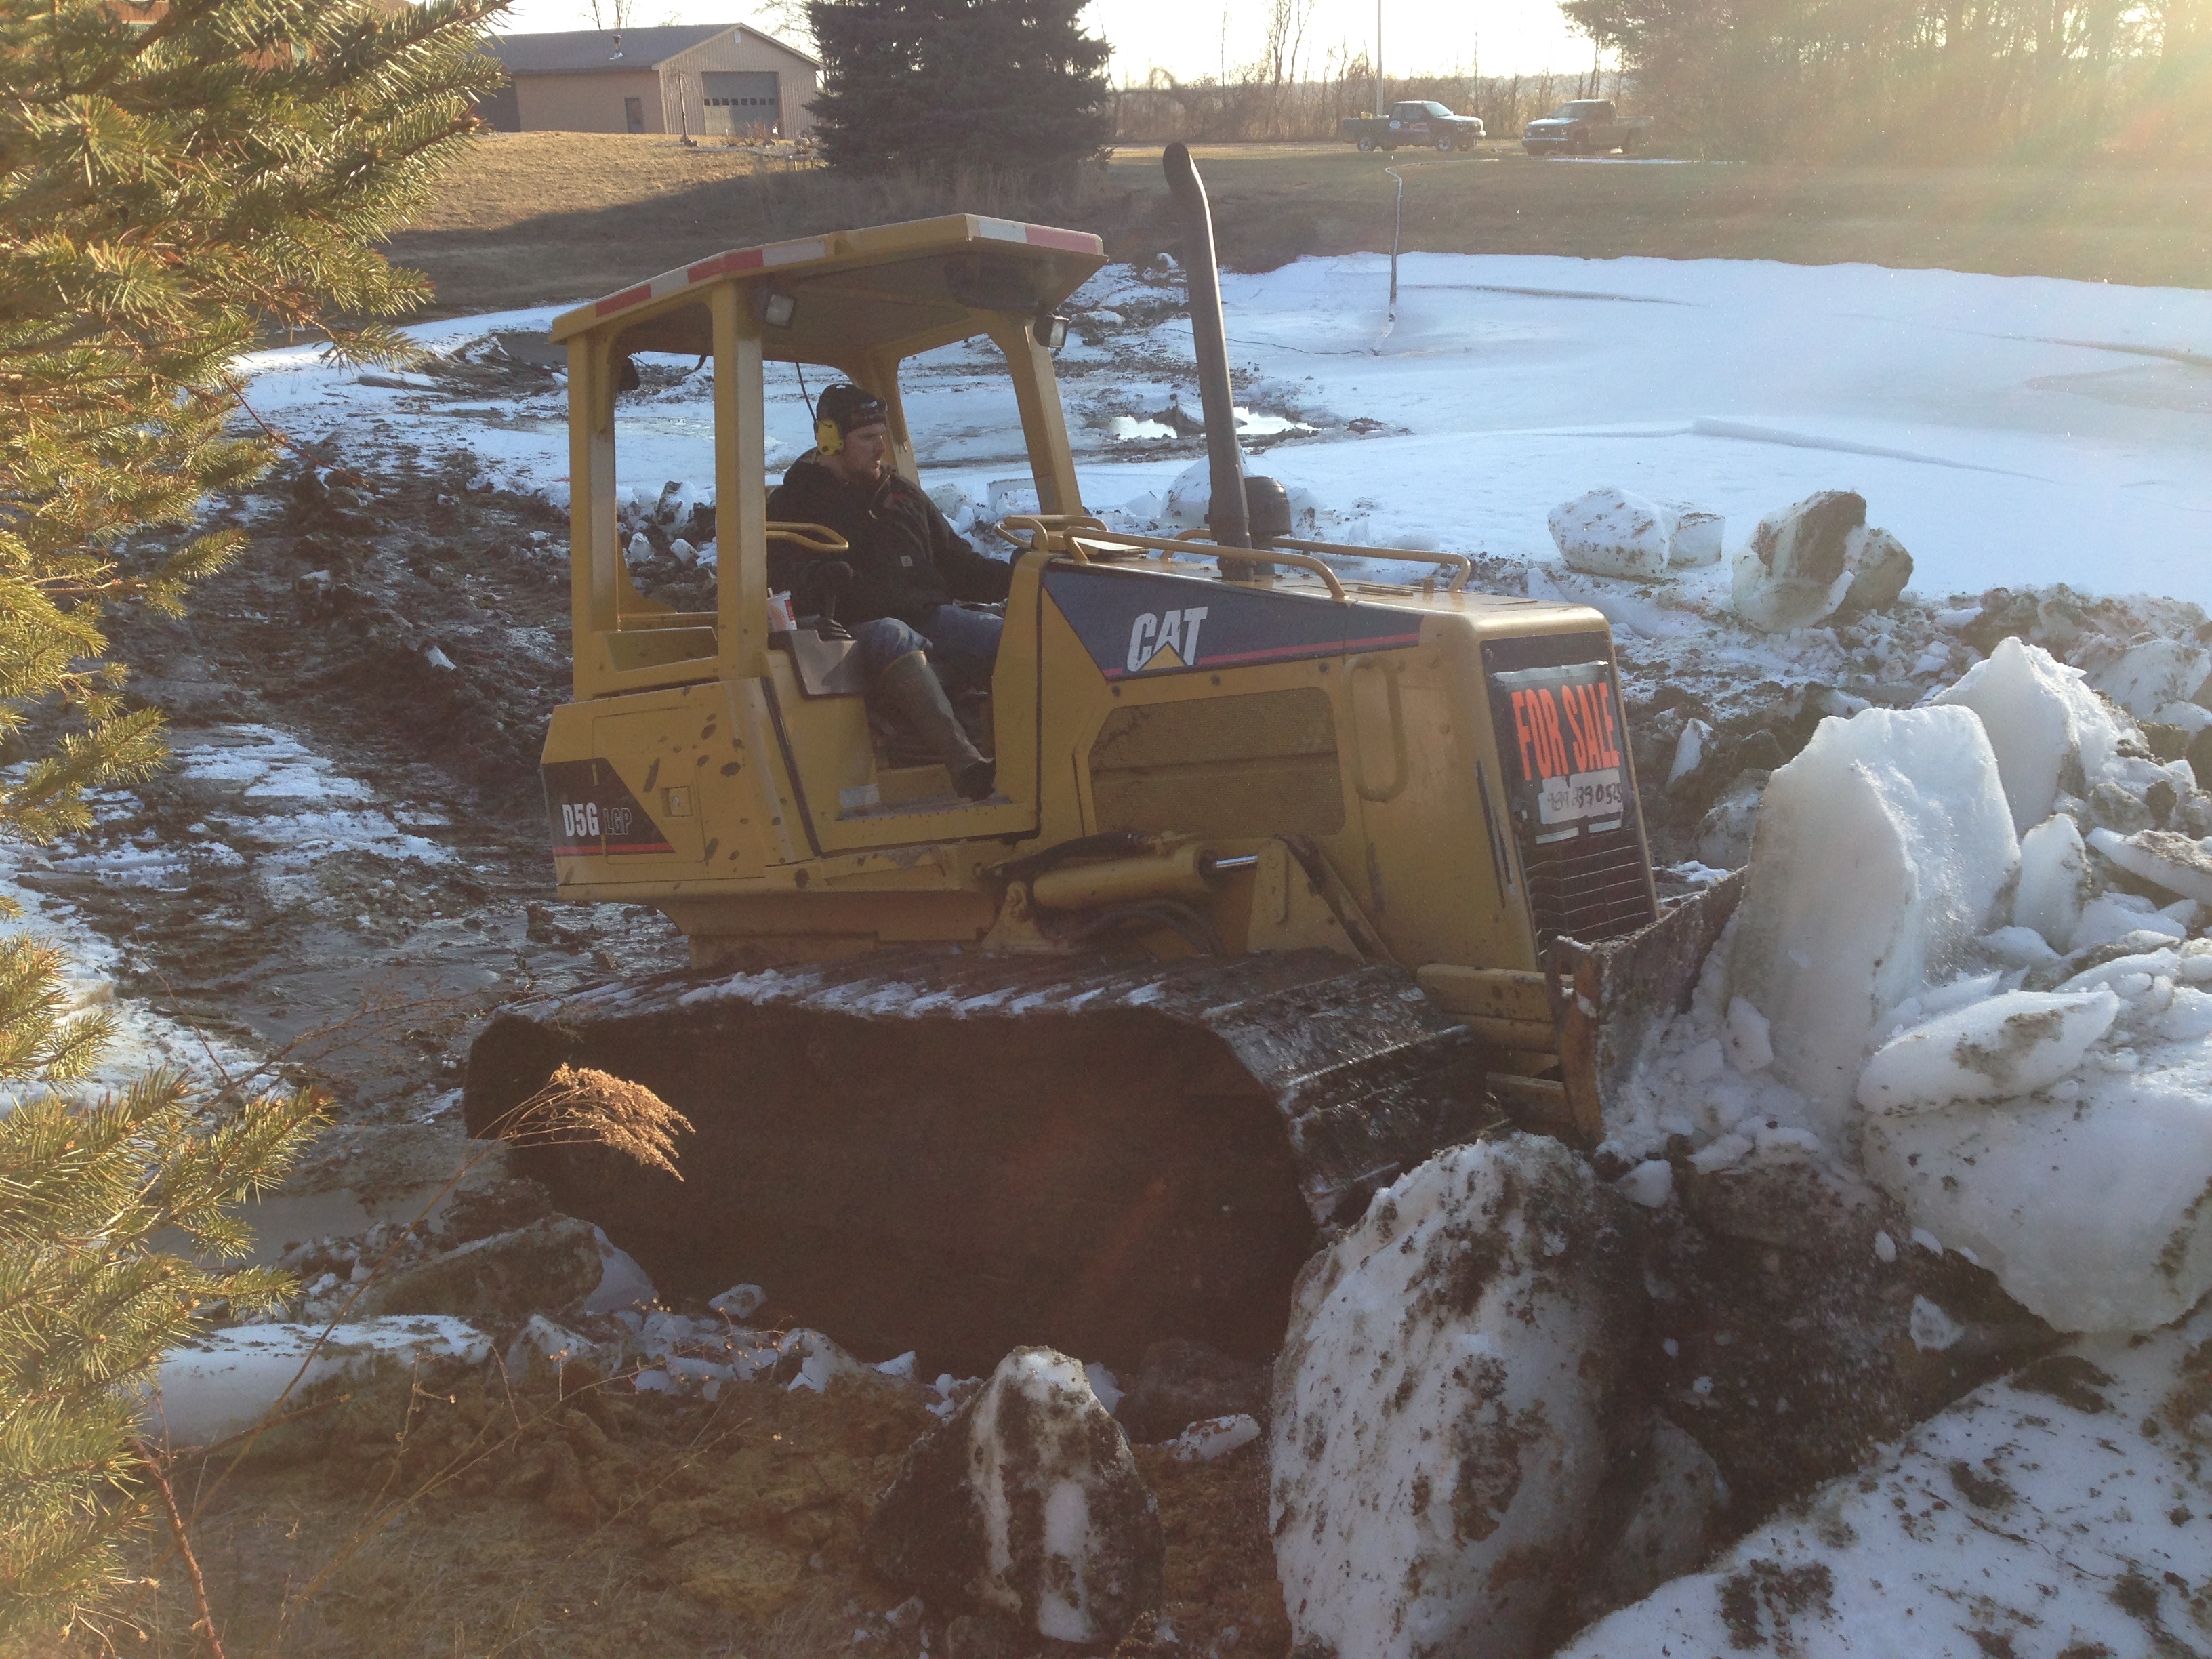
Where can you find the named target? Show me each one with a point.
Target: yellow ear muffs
(826, 438)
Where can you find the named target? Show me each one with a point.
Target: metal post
(1397, 231)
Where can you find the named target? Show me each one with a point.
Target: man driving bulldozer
(900, 588)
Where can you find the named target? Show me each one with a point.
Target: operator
(908, 572)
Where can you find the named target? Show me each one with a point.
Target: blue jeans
(963, 645)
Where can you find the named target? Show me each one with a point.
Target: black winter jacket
(906, 559)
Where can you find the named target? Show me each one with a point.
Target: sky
(1500, 36)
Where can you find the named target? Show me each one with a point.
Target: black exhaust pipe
(1227, 515)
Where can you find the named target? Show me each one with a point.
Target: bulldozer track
(959, 1152)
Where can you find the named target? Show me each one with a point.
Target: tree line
(1916, 80)
(1255, 108)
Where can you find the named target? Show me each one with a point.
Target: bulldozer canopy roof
(907, 287)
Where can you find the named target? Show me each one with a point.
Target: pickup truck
(1589, 126)
(1423, 124)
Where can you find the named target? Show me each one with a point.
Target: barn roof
(586, 51)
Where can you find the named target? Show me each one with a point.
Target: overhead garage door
(738, 101)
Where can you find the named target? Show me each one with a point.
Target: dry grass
(579, 1106)
(531, 218)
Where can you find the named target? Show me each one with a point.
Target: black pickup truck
(1589, 126)
(1423, 124)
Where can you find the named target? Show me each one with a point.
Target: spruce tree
(1012, 86)
(179, 182)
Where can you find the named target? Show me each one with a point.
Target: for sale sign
(1560, 732)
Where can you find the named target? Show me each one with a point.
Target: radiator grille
(1590, 888)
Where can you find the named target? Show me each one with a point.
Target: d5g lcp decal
(591, 812)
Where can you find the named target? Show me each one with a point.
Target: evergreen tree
(1009, 85)
(177, 182)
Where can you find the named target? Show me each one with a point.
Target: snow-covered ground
(2012, 430)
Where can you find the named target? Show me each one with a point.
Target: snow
(225, 1381)
(2060, 1512)
(1991, 1049)
(2001, 427)
(2048, 731)
(1880, 852)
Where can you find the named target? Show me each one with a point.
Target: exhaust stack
(1227, 515)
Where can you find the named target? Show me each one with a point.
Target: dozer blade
(962, 1152)
(1613, 992)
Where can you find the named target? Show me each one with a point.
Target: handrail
(814, 537)
(1213, 550)
(1350, 549)
(1043, 528)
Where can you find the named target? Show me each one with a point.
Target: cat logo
(1168, 639)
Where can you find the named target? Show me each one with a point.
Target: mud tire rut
(959, 1153)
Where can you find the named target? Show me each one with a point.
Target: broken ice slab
(2048, 731)
(225, 1381)
(1993, 1049)
(1611, 532)
(2057, 1511)
(1881, 851)
(2169, 860)
(2090, 1211)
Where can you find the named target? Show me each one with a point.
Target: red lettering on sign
(1558, 766)
(1578, 722)
(1521, 730)
(1612, 731)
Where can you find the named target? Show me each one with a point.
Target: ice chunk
(1689, 750)
(1188, 496)
(2002, 1046)
(1211, 1438)
(2020, 947)
(2092, 1213)
(2188, 1017)
(1792, 572)
(2048, 730)
(1879, 568)
(1932, 1329)
(2173, 861)
(2054, 881)
(2113, 916)
(1611, 532)
(2147, 676)
(1698, 537)
(1750, 1039)
(739, 1302)
(622, 1283)
(217, 1385)
(1880, 853)
(1446, 1403)
(1104, 1384)
(1651, 1182)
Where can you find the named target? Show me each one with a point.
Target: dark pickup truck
(1589, 126)
(1423, 124)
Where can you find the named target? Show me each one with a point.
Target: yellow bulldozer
(1292, 875)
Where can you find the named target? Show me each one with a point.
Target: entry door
(739, 100)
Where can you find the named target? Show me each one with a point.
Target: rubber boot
(910, 689)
